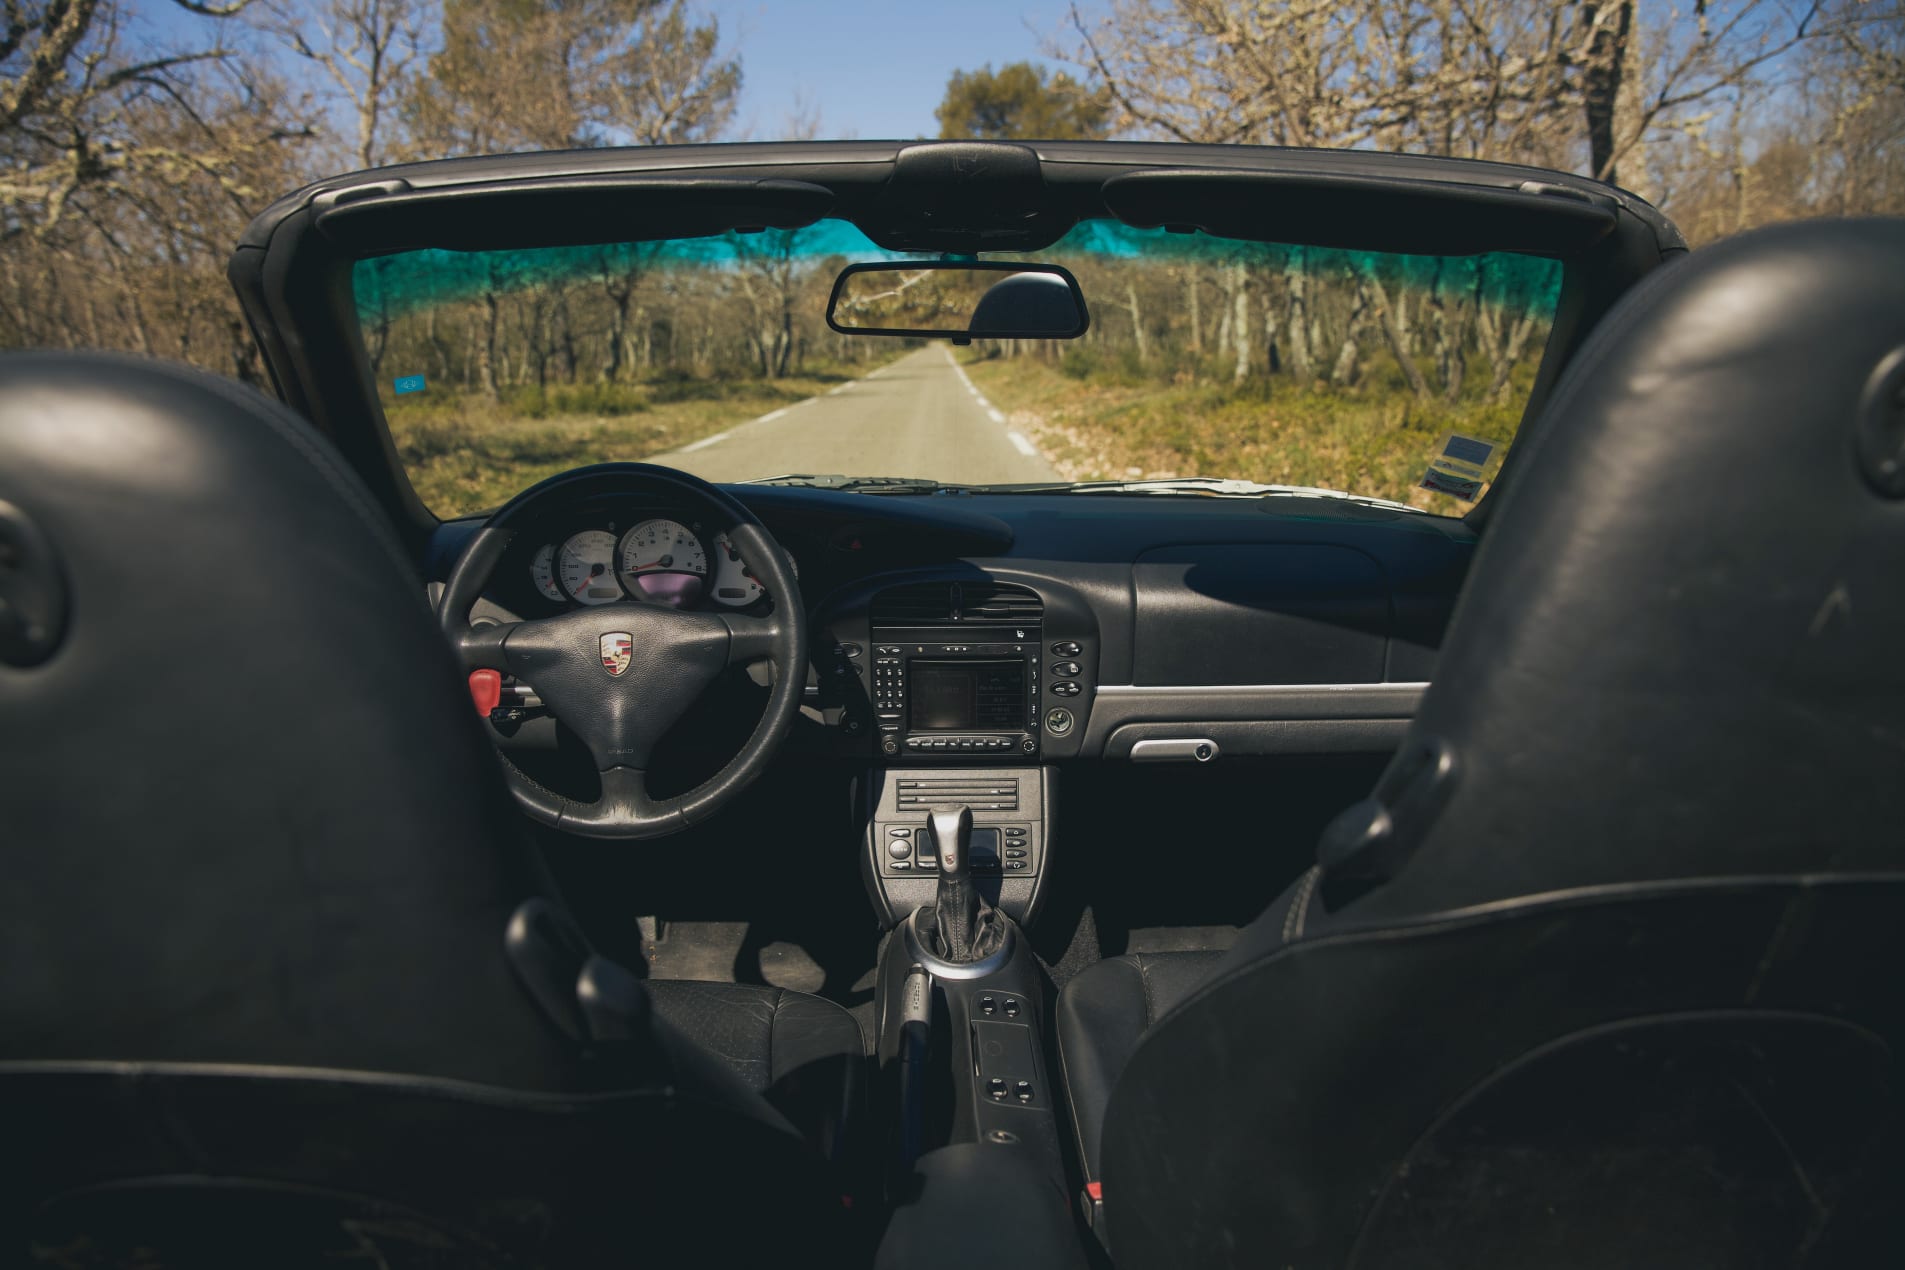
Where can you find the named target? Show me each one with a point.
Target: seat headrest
(1681, 648)
(248, 813)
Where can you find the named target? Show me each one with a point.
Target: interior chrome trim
(939, 968)
(1119, 690)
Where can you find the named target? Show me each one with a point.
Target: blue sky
(873, 70)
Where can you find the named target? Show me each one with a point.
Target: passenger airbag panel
(1259, 614)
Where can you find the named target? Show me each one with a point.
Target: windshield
(1378, 375)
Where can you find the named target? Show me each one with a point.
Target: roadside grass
(1113, 421)
(465, 452)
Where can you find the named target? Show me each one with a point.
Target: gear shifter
(965, 927)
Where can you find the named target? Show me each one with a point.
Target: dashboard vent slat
(955, 603)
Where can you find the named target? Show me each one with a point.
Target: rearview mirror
(958, 300)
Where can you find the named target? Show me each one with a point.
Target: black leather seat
(1604, 973)
(276, 966)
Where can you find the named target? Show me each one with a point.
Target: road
(919, 416)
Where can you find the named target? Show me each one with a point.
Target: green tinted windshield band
(1366, 373)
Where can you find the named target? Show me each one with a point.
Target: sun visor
(1364, 213)
(565, 211)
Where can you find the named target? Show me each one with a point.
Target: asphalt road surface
(919, 416)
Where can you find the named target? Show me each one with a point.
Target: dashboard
(1096, 627)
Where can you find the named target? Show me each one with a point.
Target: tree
(558, 74)
(1582, 84)
(366, 50)
(68, 94)
(1020, 102)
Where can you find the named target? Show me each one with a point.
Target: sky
(873, 69)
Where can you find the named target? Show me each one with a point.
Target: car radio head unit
(951, 700)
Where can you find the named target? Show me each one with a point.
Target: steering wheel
(672, 657)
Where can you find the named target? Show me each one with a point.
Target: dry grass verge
(465, 452)
(1376, 439)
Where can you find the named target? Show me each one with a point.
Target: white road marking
(997, 417)
(772, 415)
(704, 443)
(1020, 444)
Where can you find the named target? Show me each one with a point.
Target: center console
(963, 1010)
(1012, 810)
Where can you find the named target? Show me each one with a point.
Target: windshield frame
(293, 279)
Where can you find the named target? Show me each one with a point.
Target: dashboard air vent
(947, 603)
(998, 602)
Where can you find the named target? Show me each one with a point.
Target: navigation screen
(957, 696)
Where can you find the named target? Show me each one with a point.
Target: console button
(1066, 648)
(899, 848)
(902, 865)
(1015, 865)
(1058, 722)
(1024, 1090)
(1011, 1007)
(987, 1004)
(1065, 689)
(1069, 669)
(899, 831)
(996, 1087)
(1011, 853)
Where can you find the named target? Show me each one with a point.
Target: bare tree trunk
(1344, 371)
(1137, 322)
(1392, 334)
(486, 350)
(1608, 62)
(1517, 341)
(1297, 282)
(1240, 322)
(1193, 285)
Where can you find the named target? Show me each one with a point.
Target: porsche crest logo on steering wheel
(618, 647)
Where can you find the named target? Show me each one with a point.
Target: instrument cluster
(658, 560)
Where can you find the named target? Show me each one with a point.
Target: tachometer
(663, 561)
(734, 583)
(586, 568)
(542, 570)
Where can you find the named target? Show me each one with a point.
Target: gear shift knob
(951, 828)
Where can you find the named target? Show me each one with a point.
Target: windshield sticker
(1457, 468)
(408, 383)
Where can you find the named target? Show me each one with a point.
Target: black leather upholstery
(803, 1053)
(259, 868)
(1102, 1015)
(1603, 971)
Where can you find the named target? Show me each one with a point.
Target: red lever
(1096, 1190)
(486, 690)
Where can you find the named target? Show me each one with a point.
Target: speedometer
(662, 560)
(586, 568)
